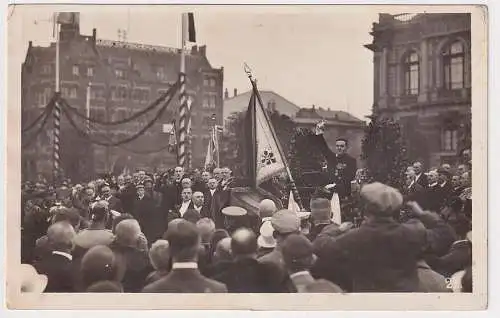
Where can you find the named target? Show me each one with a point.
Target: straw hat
(31, 281)
(266, 239)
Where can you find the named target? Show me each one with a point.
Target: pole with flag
(188, 34)
(264, 151)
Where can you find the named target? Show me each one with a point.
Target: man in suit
(420, 176)
(221, 199)
(132, 263)
(172, 192)
(148, 216)
(298, 255)
(209, 194)
(341, 166)
(184, 277)
(414, 191)
(115, 204)
(198, 204)
(58, 265)
(246, 274)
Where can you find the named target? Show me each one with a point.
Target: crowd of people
(179, 233)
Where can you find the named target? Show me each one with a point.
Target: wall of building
(125, 78)
(427, 116)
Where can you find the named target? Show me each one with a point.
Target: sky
(309, 55)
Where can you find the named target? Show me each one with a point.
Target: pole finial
(248, 70)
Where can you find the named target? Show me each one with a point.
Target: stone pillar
(383, 78)
(423, 68)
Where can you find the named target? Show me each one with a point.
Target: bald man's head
(60, 236)
(243, 242)
(223, 250)
(127, 232)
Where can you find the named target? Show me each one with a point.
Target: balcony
(453, 95)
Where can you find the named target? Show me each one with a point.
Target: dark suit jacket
(127, 196)
(150, 218)
(249, 276)
(171, 195)
(185, 281)
(204, 212)
(423, 180)
(133, 267)
(342, 169)
(220, 200)
(115, 204)
(60, 272)
(415, 193)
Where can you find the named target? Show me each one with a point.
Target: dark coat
(220, 200)
(341, 169)
(458, 258)
(60, 272)
(185, 281)
(115, 204)
(149, 218)
(171, 195)
(133, 267)
(415, 192)
(247, 275)
(127, 196)
(423, 180)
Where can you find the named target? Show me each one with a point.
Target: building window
(90, 71)
(453, 66)
(73, 92)
(140, 95)
(160, 73)
(212, 82)
(411, 74)
(449, 139)
(76, 70)
(119, 93)
(120, 74)
(43, 97)
(46, 69)
(97, 93)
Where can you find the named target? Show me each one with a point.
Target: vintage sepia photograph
(227, 150)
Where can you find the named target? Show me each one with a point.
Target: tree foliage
(384, 152)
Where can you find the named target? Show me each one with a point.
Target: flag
(188, 22)
(210, 158)
(335, 208)
(292, 205)
(263, 151)
(68, 17)
(172, 140)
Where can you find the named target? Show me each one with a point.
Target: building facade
(124, 78)
(422, 79)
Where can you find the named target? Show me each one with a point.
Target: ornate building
(125, 78)
(422, 79)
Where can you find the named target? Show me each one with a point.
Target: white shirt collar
(184, 265)
(212, 191)
(184, 207)
(67, 255)
(301, 273)
(434, 184)
(197, 208)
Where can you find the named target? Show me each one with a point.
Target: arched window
(411, 72)
(453, 66)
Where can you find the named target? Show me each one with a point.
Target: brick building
(422, 79)
(125, 78)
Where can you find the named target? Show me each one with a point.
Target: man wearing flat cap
(284, 222)
(382, 254)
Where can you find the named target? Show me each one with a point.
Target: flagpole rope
(57, 131)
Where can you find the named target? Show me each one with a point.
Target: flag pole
(273, 132)
(183, 111)
(57, 108)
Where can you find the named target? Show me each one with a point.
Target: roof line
(263, 90)
(139, 46)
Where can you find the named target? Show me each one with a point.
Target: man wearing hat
(299, 257)
(379, 256)
(284, 223)
(321, 216)
(235, 217)
(149, 217)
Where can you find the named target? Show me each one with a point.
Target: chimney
(203, 50)
(235, 92)
(94, 34)
(30, 44)
(314, 107)
(226, 94)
